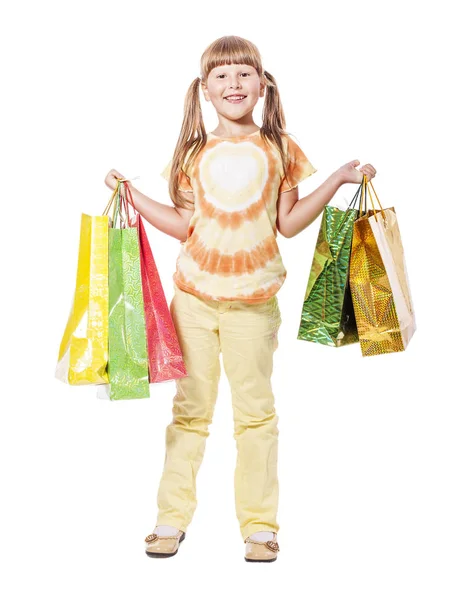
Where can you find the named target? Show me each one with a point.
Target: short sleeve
(299, 167)
(184, 183)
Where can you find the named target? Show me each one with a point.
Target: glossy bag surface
(327, 315)
(128, 358)
(165, 355)
(379, 284)
(83, 353)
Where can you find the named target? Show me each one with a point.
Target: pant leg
(248, 338)
(196, 323)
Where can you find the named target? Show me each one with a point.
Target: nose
(234, 82)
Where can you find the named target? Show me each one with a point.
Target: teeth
(235, 97)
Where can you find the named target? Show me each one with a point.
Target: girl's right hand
(112, 177)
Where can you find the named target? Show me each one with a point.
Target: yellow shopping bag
(83, 354)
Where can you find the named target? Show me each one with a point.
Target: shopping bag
(128, 360)
(327, 315)
(379, 283)
(165, 355)
(83, 352)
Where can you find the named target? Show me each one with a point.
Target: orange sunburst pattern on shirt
(261, 294)
(213, 261)
(234, 181)
(231, 250)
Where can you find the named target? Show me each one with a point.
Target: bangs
(230, 50)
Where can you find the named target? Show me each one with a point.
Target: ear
(205, 92)
(262, 86)
(262, 89)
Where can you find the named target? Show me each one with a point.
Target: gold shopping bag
(83, 353)
(379, 283)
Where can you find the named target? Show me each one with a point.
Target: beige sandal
(261, 551)
(158, 546)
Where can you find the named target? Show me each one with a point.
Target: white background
(367, 445)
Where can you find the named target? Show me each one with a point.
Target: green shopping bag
(128, 368)
(327, 315)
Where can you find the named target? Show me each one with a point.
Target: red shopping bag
(165, 355)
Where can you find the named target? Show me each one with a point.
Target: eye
(223, 74)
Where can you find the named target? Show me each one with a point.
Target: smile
(235, 99)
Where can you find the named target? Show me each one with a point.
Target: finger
(370, 169)
(354, 163)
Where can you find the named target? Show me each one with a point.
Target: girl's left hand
(349, 174)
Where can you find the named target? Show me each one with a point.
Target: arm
(170, 219)
(294, 214)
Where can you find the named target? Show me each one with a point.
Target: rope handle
(365, 187)
(118, 203)
(362, 200)
(354, 202)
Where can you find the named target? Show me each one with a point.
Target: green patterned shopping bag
(128, 368)
(327, 315)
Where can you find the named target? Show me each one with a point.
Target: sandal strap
(153, 536)
(271, 544)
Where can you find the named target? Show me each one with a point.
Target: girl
(232, 189)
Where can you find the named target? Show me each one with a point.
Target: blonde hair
(229, 49)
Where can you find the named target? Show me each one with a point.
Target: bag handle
(111, 200)
(365, 187)
(130, 195)
(113, 206)
(354, 201)
(125, 220)
(119, 205)
(126, 194)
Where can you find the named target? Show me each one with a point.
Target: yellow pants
(246, 335)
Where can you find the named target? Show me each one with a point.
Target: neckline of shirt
(234, 137)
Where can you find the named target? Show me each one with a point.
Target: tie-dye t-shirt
(231, 252)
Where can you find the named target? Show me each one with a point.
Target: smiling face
(233, 80)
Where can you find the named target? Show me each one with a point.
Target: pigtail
(192, 138)
(274, 124)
